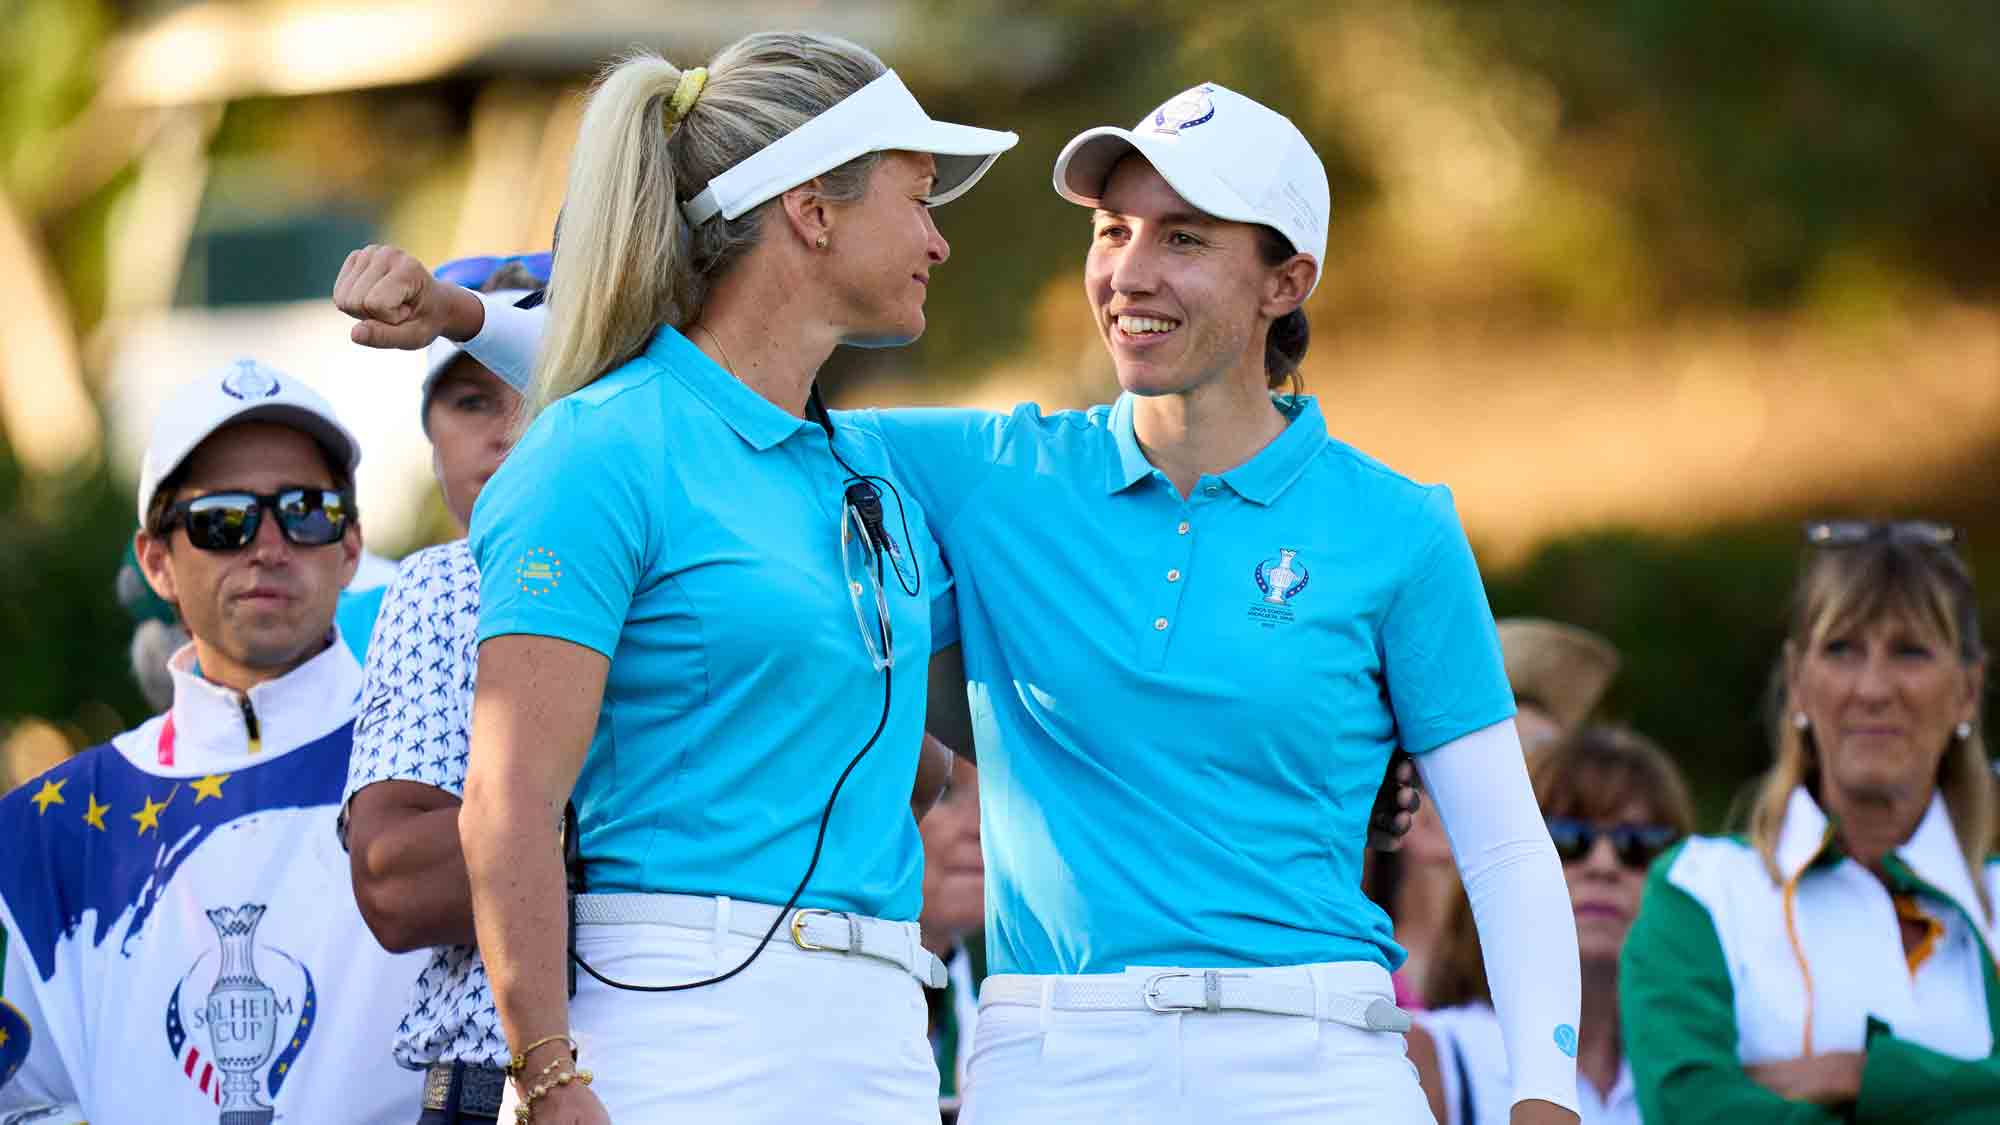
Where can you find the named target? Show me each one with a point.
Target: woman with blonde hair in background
(695, 594)
(1614, 802)
(1837, 964)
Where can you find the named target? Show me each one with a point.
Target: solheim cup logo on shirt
(1279, 579)
(246, 382)
(239, 1018)
(1184, 111)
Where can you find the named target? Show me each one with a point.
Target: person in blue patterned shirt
(407, 774)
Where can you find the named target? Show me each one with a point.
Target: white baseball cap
(882, 116)
(245, 391)
(1226, 154)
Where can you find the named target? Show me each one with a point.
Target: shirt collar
(209, 733)
(1263, 478)
(756, 419)
(1131, 467)
(1804, 835)
(1260, 480)
(1931, 853)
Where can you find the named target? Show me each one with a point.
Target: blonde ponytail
(617, 274)
(627, 262)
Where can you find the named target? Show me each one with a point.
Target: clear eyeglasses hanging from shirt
(861, 565)
(866, 550)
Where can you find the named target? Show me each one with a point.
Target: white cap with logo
(245, 391)
(1226, 154)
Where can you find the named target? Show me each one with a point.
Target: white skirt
(1048, 1066)
(798, 1036)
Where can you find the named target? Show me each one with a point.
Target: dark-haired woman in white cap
(1255, 616)
(704, 607)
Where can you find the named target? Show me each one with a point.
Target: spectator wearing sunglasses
(700, 597)
(177, 938)
(1837, 963)
(1613, 803)
(407, 775)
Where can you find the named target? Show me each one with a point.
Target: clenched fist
(398, 304)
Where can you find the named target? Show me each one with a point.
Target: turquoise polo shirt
(672, 519)
(1184, 707)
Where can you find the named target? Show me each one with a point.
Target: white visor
(882, 116)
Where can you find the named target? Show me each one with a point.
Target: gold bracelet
(524, 1113)
(520, 1060)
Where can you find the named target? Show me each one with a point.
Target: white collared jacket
(181, 941)
(1726, 968)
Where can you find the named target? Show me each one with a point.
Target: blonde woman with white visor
(706, 610)
(1837, 965)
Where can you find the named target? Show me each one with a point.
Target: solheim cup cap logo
(247, 380)
(1227, 155)
(1183, 111)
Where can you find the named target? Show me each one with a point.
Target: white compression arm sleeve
(1527, 930)
(506, 343)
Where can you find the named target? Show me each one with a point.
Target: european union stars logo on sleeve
(539, 572)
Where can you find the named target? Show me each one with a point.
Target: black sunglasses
(228, 521)
(1635, 845)
(1849, 533)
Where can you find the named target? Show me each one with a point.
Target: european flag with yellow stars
(97, 833)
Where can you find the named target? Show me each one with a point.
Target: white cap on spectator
(245, 391)
(1226, 154)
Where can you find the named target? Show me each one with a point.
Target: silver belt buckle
(1211, 991)
(1151, 993)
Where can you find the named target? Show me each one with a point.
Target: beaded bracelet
(524, 1113)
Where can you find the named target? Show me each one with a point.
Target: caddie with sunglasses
(1613, 802)
(179, 937)
(1836, 962)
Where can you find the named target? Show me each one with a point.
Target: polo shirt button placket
(1163, 622)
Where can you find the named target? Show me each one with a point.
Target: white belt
(1197, 990)
(810, 929)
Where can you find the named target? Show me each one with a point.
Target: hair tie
(685, 95)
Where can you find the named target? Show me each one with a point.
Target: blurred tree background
(1646, 282)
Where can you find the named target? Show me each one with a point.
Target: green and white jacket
(1725, 969)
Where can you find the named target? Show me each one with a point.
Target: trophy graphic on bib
(242, 1016)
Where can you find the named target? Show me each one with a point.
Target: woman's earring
(820, 242)
(1963, 731)
(1800, 721)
